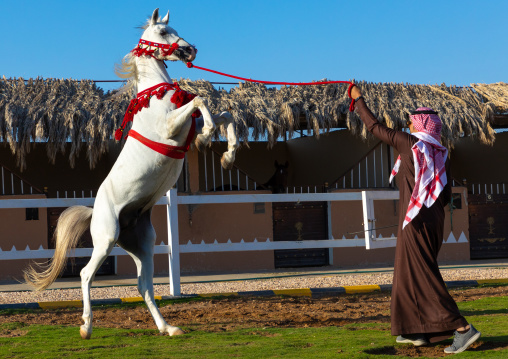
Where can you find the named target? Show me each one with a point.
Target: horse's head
(279, 181)
(163, 42)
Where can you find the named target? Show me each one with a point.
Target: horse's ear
(155, 17)
(166, 19)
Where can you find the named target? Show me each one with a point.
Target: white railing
(12, 184)
(370, 172)
(174, 248)
(492, 188)
(218, 179)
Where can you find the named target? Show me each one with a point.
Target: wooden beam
(499, 121)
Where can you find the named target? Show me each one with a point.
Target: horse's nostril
(192, 53)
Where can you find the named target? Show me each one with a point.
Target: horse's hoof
(177, 331)
(201, 142)
(226, 163)
(226, 115)
(85, 334)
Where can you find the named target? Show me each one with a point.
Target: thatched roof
(57, 112)
(61, 111)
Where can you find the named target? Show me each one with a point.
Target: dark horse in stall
(279, 181)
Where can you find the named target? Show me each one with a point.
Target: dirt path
(227, 314)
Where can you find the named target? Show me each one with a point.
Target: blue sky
(418, 42)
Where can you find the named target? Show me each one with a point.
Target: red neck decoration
(142, 100)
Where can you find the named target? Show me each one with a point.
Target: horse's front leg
(225, 119)
(177, 118)
(203, 139)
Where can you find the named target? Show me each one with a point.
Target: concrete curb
(307, 292)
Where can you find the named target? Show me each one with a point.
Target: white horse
(148, 166)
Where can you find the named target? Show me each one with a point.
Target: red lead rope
(351, 84)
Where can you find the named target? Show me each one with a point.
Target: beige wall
(223, 222)
(345, 220)
(453, 252)
(237, 221)
(16, 231)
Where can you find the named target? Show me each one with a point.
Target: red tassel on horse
(118, 134)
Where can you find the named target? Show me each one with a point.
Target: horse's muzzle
(186, 53)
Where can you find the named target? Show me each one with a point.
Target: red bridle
(151, 47)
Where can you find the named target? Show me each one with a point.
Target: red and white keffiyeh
(429, 158)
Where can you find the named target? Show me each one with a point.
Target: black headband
(424, 112)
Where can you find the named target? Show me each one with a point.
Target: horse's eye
(163, 32)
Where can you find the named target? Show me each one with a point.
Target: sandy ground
(296, 282)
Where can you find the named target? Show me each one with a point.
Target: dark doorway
(300, 221)
(488, 225)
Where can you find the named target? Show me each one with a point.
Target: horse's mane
(127, 69)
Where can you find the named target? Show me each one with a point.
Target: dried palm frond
(65, 111)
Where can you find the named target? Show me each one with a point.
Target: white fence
(492, 188)
(174, 248)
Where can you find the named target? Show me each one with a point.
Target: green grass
(371, 340)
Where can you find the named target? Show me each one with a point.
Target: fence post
(173, 243)
(368, 219)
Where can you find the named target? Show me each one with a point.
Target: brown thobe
(420, 301)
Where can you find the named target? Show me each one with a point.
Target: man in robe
(422, 310)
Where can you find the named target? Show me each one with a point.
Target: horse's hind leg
(104, 229)
(139, 242)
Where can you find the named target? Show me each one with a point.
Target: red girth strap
(176, 152)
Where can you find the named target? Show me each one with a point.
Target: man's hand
(355, 92)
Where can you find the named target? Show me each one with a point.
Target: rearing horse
(147, 167)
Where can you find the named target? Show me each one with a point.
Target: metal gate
(488, 225)
(300, 222)
(74, 265)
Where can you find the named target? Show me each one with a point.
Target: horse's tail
(73, 222)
